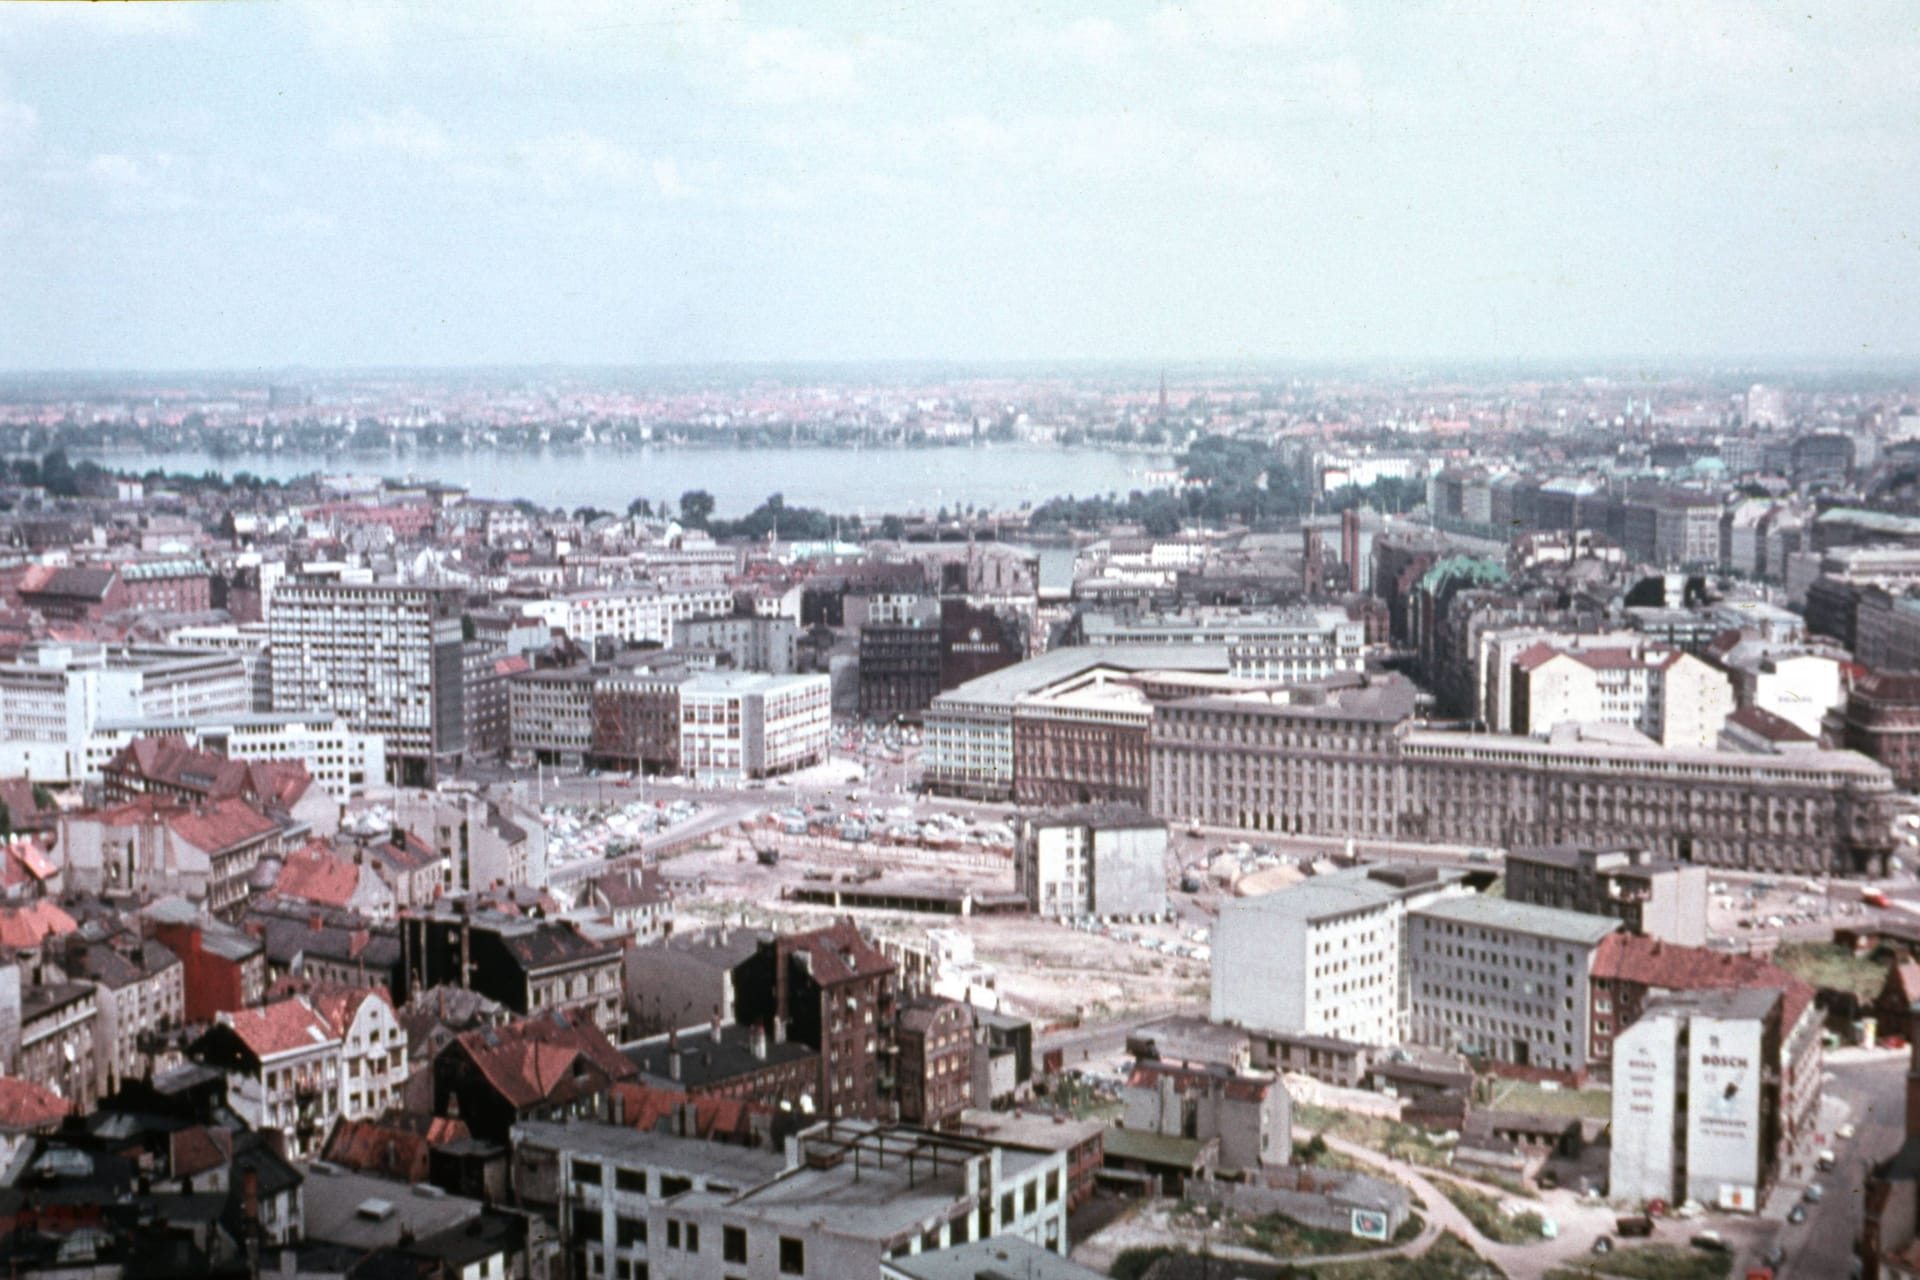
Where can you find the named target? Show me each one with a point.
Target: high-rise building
(387, 656)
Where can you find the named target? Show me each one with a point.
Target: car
(1603, 1244)
(1774, 1256)
(1814, 1193)
(1797, 1215)
(1710, 1240)
(1846, 1132)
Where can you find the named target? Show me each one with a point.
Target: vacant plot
(1580, 1104)
(1651, 1262)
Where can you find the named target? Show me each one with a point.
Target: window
(674, 1186)
(628, 1232)
(586, 1173)
(630, 1180)
(793, 1256)
(1033, 1197)
(733, 1244)
(586, 1224)
(673, 1233)
(693, 1237)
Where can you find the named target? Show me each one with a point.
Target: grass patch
(1131, 1264)
(1389, 1137)
(1579, 1104)
(1483, 1211)
(1450, 1258)
(1651, 1262)
(1083, 1100)
(1836, 968)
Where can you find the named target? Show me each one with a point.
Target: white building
(1507, 980)
(484, 841)
(1289, 645)
(738, 725)
(1105, 861)
(54, 696)
(640, 612)
(341, 760)
(1715, 1140)
(386, 656)
(283, 1068)
(248, 640)
(1672, 697)
(1324, 958)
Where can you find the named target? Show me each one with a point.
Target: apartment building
(834, 990)
(735, 725)
(530, 965)
(639, 613)
(1326, 957)
(283, 1067)
(551, 716)
(54, 696)
(386, 656)
(1503, 980)
(1103, 861)
(1674, 698)
(1654, 897)
(482, 841)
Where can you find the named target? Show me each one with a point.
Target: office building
(342, 761)
(1657, 898)
(1324, 958)
(735, 726)
(751, 643)
(386, 656)
(844, 1197)
(54, 696)
(1504, 981)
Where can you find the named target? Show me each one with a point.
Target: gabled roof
(317, 874)
(376, 1148)
(285, 1026)
(26, 1106)
(73, 583)
(840, 953)
(1663, 966)
(33, 924)
(529, 1060)
(223, 825)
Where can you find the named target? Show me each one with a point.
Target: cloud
(668, 180)
(155, 183)
(1244, 23)
(405, 132)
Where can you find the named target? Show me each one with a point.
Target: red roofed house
(75, 594)
(300, 1064)
(155, 846)
(413, 871)
(832, 989)
(169, 767)
(33, 924)
(1673, 697)
(546, 1067)
(283, 1068)
(321, 877)
(1629, 970)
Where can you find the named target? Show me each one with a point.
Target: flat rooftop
(638, 1148)
(1476, 911)
(1023, 678)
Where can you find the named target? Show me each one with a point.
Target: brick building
(832, 989)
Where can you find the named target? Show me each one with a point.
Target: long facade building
(386, 656)
(1349, 762)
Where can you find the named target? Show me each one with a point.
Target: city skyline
(345, 186)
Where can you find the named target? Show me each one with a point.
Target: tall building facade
(388, 657)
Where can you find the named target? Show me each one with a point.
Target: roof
(1661, 966)
(317, 874)
(286, 1026)
(1022, 678)
(1147, 1147)
(529, 1060)
(1769, 726)
(375, 1148)
(840, 953)
(198, 1149)
(1477, 911)
(33, 924)
(225, 824)
(74, 583)
(653, 1109)
(995, 1257)
(706, 1060)
(26, 1106)
(1149, 1074)
(1099, 817)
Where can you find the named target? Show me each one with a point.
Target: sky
(255, 185)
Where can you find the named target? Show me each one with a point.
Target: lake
(863, 482)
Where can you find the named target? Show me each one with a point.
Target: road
(1821, 1248)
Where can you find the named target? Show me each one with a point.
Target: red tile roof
(1662, 966)
(1769, 726)
(840, 953)
(33, 924)
(317, 874)
(26, 1106)
(379, 1149)
(194, 1151)
(223, 825)
(649, 1109)
(282, 1027)
(527, 1061)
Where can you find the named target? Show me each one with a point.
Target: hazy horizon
(343, 189)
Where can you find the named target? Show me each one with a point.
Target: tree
(893, 528)
(57, 474)
(696, 508)
(640, 509)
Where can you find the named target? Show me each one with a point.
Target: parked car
(1797, 1214)
(1710, 1240)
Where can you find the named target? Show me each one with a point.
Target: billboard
(1369, 1224)
(1723, 1109)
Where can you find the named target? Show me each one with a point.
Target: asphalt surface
(1874, 1090)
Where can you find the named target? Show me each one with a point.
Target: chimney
(757, 1042)
(673, 1055)
(779, 1030)
(619, 1108)
(715, 1038)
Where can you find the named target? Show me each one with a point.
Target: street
(1874, 1089)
